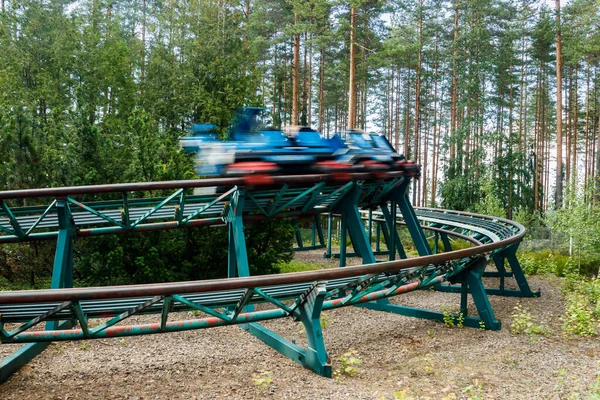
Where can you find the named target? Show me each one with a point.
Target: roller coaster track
(100, 312)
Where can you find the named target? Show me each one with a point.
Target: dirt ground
(400, 357)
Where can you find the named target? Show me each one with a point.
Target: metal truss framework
(100, 312)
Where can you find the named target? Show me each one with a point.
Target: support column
(308, 311)
(353, 224)
(237, 255)
(394, 244)
(411, 220)
(62, 277)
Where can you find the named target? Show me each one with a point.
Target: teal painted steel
(233, 206)
(353, 224)
(394, 243)
(411, 220)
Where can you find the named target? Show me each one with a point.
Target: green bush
(545, 262)
(582, 306)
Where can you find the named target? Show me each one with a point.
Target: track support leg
(62, 277)
(314, 357)
(470, 280)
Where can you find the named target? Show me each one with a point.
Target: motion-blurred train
(253, 147)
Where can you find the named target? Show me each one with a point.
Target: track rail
(100, 312)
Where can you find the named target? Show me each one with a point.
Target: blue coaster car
(254, 148)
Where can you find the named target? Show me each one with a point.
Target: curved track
(100, 312)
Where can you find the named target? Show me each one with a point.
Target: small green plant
(481, 325)
(262, 381)
(324, 320)
(193, 313)
(448, 318)
(524, 322)
(123, 342)
(582, 306)
(460, 320)
(474, 390)
(431, 332)
(83, 346)
(349, 364)
(402, 395)
(451, 320)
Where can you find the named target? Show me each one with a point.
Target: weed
(402, 395)
(262, 381)
(324, 320)
(474, 390)
(451, 320)
(83, 346)
(349, 365)
(582, 306)
(524, 322)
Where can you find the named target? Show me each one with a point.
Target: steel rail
(62, 192)
(157, 289)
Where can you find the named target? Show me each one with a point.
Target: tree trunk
(352, 82)
(559, 186)
(295, 81)
(321, 92)
(454, 87)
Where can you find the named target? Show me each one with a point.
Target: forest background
(99, 91)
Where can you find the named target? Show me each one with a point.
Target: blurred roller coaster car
(256, 148)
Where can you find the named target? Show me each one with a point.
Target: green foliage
(545, 262)
(262, 381)
(451, 320)
(349, 365)
(582, 306)
(298, 266)
(191, 254)
(579, 221)
(490, 202)
(523, 322)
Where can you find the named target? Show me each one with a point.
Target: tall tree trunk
(296, 80)
(310, 79)
(587, 132)
(575, 123)
(559, 157)
(454, 87)
(352, 78)
(435, 145)
(417, 156)
(321, 90)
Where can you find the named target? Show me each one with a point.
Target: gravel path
(399, 356)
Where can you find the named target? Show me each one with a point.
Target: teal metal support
(482, 303)
(329, 235)
(353, 224)
(510, 254)
(62, 277)
(319, 230)
(446, 242)
(238, 256)
(411, 220)
(297, 232)
(499, 260)
(394, 243)
(308, 311)
(378, 237)
(470, 280)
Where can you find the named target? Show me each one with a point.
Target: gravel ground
(399, 356)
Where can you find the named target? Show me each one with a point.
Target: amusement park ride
(258, 174)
